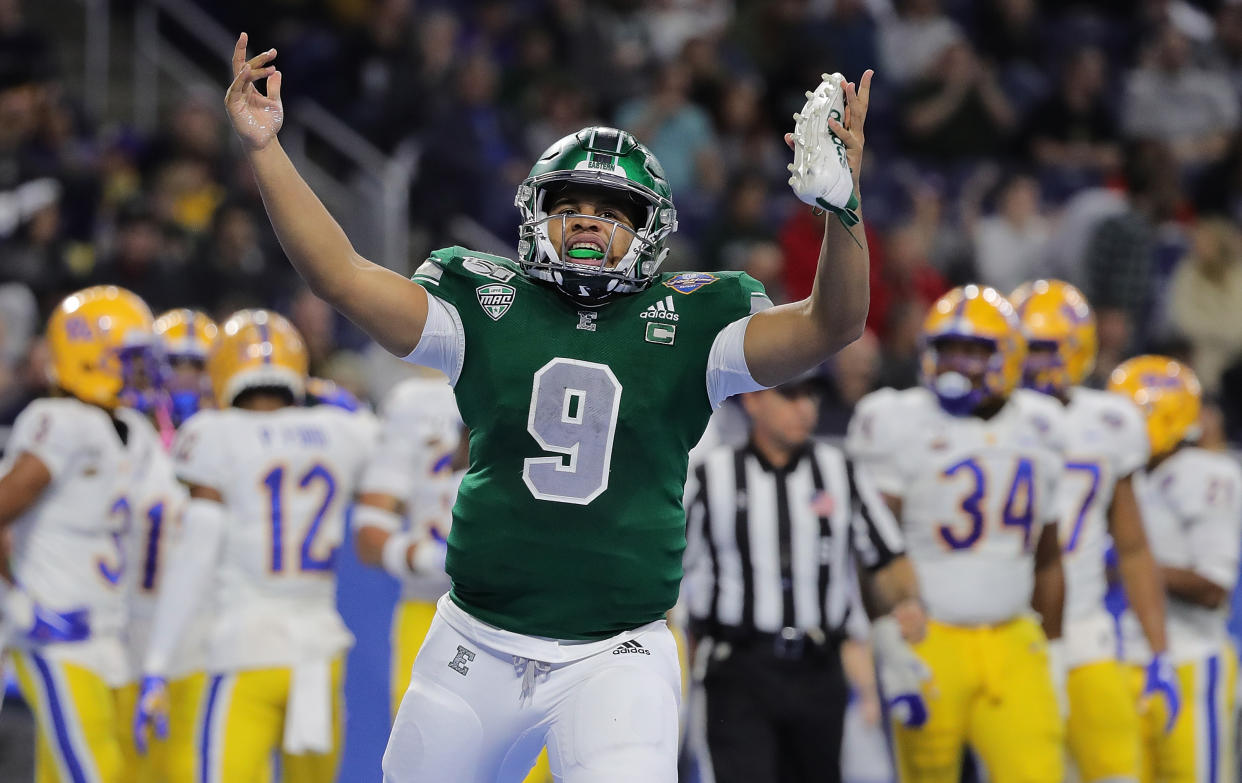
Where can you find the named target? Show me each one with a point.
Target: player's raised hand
(256, 117)
(827, 143)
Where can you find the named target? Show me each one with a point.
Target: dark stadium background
(1099, 142)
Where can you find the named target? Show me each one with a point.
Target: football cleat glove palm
(821, 175)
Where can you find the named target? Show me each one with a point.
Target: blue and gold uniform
(1191, 500)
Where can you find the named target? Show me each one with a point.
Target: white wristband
(429, 556)
(395, 554)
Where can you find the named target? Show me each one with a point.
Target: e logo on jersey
(496, 299)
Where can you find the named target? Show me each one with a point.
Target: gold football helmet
(1168, 393)
(1060, 332)
(257, 348)
(186, 333)
(90, 336)
(982, 316)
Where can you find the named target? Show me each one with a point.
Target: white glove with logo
(821, 172)
(901, 671)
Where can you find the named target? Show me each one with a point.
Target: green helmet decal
(604, 158)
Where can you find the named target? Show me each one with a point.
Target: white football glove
(901, 671)
(821, 172)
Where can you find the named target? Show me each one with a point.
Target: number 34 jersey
(569, 522)
(976, 494)
(286, 478)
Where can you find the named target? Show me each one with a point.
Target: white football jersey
(287, 478)
(1106, 440)
(421, 431)
(68, 548)
(1192, 510)
(156, 503)
(976, 494)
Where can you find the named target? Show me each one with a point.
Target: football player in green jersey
(585, 376)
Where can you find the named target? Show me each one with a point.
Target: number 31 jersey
(286, 477)
(569, 522)
(976, 494)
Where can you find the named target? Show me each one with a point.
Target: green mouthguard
(586, 253)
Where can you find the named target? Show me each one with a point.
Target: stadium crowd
(1097, 142)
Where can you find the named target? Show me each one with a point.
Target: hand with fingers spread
(828, 142)
(256, 117)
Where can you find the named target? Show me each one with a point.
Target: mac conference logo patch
(496, 299)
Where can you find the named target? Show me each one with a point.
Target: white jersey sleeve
(442, 345)
(200, 453)
(874, 440)
(420, 430)
(1211, 505)
(43, 430)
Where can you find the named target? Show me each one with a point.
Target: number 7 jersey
(569, 522)
(976, 494)
(287, 477)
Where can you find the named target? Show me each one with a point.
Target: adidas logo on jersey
(661, 311)
(630, 648)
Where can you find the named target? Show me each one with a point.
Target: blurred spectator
(473, 159)
(899, 360)
(232, 270)
(1011, 36)
(765, 262)
(854, 371)
(678, 132)
(914, 40)
(1072, 130)
(1228, 44)
(1205, 301)
(801, 238)
(741, 224)
(19, 323)
(380, 97)
(956, 109)
(1169, 99)
(1120, 258)
(316, 322)
(673, 23)
(745, 138)
(850, 35)
(1009, 244)
(140, 261)
(904, 278)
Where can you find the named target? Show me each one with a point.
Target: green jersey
(569, 522)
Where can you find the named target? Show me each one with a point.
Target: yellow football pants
(242, 726)
(170, 760)
(1102, 731)
(410, 623)
(1199, 748)
(991, 688)
(76, 718)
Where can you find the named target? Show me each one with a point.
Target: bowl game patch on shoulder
(689, 282)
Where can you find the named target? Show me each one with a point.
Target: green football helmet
(602, 158)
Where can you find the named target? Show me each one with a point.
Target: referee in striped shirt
(774, 529)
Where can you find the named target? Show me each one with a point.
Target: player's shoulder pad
(464, 263)
(1116, 412)
(1045, 415)
(881, 417)
(732, 287)
(413, 395)
(1205, 481)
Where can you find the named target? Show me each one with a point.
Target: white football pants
(473, 714)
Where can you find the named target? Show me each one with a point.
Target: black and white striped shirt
(772, 548)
